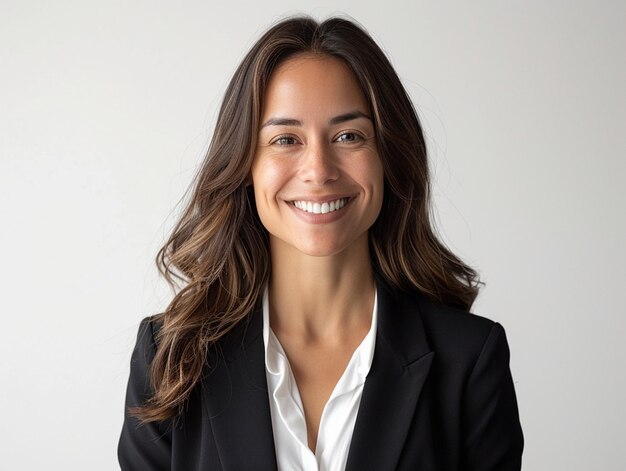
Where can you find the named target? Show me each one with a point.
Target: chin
(316, 250)
(316, 246)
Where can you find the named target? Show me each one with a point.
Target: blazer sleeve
(493, 438)
(145, 447)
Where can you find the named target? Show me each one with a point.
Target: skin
(321, 291)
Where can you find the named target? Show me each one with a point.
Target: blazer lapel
(236, 400)
(402, 360)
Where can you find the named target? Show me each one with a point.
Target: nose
(318, 164)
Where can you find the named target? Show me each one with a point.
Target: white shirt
(339, 414)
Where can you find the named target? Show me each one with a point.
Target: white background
(107, 107)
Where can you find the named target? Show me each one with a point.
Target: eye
(349, 136)
(284, 141)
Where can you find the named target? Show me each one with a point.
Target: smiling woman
(322, 325)
(316, 149)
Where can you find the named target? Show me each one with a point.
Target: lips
(316, 207)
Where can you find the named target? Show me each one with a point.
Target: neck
(321, 299)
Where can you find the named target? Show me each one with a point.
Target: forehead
(313, 84)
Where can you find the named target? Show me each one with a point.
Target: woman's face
(317, 176)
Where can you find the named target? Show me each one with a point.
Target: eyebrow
(342, 118)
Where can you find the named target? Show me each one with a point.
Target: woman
(322, 324)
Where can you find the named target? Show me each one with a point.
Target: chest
(316, 371)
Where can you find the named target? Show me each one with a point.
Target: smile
(320, 208)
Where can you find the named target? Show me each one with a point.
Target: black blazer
(439, 397)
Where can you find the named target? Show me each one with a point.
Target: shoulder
(143, 355)
(456, 335)
(223, 349)
(450, 321)
(147, 334)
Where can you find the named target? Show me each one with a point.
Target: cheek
(267, 180)
(374, 176)
(371, 176)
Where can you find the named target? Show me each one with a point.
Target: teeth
(317, 208)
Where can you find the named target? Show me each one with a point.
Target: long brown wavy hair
(219, 248)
